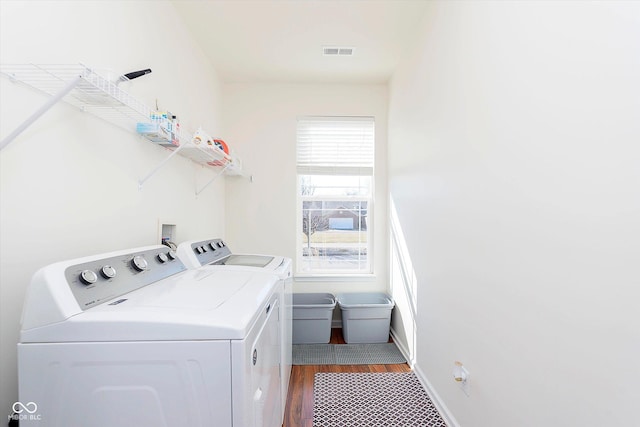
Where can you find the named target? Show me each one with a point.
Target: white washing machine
(133, 338)
(215, 254)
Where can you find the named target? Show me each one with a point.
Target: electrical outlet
(462, 377)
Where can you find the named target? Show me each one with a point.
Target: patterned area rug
(372, 399)
(347, 354)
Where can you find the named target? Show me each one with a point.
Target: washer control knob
(162, 257)
(172, 254)
(88, 277)
(220, 244)
(199, 250)
(212, 245)
(139, 263)
(108, 272)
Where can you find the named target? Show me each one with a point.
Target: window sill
(334, 277)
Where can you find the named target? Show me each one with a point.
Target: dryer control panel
(102, 279)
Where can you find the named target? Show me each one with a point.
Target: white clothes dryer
(215, 254)
(134, 338)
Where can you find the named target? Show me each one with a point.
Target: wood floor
(299, 411)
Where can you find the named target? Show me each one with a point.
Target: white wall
(261, 122)
(69, 183)
(514, 165)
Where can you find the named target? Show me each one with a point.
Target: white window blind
(335, 145)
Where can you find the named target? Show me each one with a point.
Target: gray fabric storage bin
(312, 315)
(366, 316)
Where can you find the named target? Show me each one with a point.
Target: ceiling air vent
(337, 51)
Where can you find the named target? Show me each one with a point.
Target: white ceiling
(282, 40)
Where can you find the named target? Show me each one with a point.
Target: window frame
(336, 274)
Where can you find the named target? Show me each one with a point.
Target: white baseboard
(448, 417)
(435, 397)
(401, 346)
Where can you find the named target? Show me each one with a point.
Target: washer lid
(278, 265)
(194, 305)
(248, 260)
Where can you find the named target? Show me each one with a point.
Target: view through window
(335, 179)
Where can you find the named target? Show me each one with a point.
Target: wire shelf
(93, 93)
(84, 88)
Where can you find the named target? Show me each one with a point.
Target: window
(335, 187)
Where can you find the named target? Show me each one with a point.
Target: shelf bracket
(157, 168)
(213, 179)
(36, 115)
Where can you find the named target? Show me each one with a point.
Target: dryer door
(107, 384)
